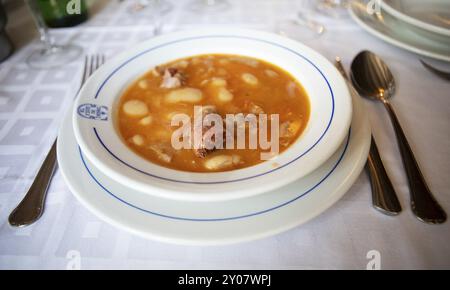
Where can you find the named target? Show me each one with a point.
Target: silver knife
(384, 197)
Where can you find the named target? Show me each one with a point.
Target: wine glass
(333, 8)
(302, 26)
(154, 9)
(50, 55)
(203, 6)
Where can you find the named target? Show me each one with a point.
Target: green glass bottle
(6, 47)
(63, 13)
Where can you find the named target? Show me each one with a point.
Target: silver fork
(31, 207)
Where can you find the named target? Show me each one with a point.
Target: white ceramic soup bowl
(330, 116)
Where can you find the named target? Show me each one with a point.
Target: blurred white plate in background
(401, 34)
(431, 15)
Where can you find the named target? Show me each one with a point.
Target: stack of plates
(422, 27)
(214, 208)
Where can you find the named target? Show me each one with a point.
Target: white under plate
(211, 223)
(401, 34)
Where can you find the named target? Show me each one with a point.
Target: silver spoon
(373, 79)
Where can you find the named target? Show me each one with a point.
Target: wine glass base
(56, 56)
(208, 6)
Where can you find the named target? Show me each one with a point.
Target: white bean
(143, 84)
(218, 82)
(236, 159)
(155, 73)
(249, 79)
(246, 61)
(135, 108)
(271, 73)
(146, 121)
(138, 140)
(224, 95)
(291, 89)
(188, 95)
(219, 162)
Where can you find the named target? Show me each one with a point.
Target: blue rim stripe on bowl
(225, 218)
(227, 181)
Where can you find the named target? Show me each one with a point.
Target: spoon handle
(423, 204)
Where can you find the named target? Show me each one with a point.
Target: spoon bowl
(372, 77)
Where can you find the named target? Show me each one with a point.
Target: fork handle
(384, 198)
(423, 204)
(31, 207)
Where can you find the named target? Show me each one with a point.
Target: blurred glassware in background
(155, 9)
(205, 6)
(143, 6)
(51, 55)
(6, 47)
(303, 26)
(63, 13)
(333, 8)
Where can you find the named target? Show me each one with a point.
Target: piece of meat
(172, 78)
(207, 144)
(202, 152)
(163, 152)
(288, 130)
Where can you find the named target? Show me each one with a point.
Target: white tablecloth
(33, 102)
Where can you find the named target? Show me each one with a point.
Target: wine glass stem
(158, 27)
(158, 21)
(40, 24)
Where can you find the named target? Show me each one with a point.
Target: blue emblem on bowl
(93, 112)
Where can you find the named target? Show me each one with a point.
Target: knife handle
(384, 197)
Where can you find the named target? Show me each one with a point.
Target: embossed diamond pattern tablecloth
(33, 102)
